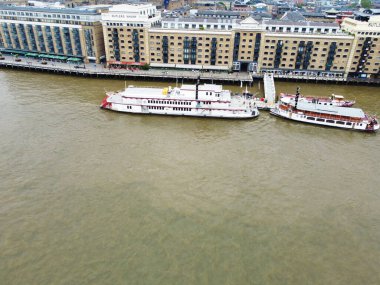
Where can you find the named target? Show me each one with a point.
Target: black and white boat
(326, 115)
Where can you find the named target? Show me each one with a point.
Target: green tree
(366, 4)
(223, 5)
(145, 67)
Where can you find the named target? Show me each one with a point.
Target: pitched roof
(293, 16)
(249, 20)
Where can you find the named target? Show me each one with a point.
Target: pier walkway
(98, 70)
(269, 88)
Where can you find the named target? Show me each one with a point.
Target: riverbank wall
(241, 78)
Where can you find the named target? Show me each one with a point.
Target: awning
(12, 51)
(49, 56)
(126, 62)
(73, 59)
(189, 66)
(133, 63)
(162, 64)
(32, 54)
(216, 67)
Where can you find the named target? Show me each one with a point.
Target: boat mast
(196, 87)
(297, 97)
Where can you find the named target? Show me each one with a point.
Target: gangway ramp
(269, 99)
(269, 88)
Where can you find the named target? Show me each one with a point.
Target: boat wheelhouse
(326, 115)
(207, 100)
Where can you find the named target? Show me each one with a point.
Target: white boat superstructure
(333, 100)
(326, 115)
(207, 100)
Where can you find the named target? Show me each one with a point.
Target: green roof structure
(74, 59)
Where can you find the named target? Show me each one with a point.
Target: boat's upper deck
(332, 110)
(143, 92)
(206, 92)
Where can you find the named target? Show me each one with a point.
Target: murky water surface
(95, 197)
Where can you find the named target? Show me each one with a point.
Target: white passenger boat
(333, 100)
(326, 115)
(207, 100)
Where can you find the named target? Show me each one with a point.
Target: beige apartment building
(135, 36)
(66, 34)
(192, 44)
(318, 48)
(126, 35)
(125, 29)
(364, 58)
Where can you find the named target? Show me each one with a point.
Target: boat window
(348, 124)
(310, 118)
(330, 121)
(320, 120)
(340, 122)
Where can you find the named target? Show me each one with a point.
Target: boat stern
(255, 112)
(348, 103)
(373, 124)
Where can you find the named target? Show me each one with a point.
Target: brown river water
(89, 196)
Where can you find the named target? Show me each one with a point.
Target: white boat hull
(360, 126)
(182, 111)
